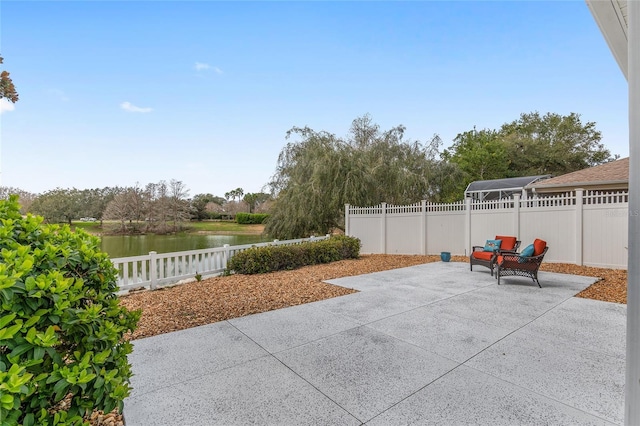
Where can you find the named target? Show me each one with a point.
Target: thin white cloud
(6, 106)
(201, 66)
(59, 94)
(128, 106)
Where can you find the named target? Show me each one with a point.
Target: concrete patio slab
(369, 306)
(187, 354)
(260, 392)
(511, 307)
(602, 330)
(290, 327)
(444, 333)
(469, 397)
(430, 344)
(365, 371)
(446, 277)
(587, 380)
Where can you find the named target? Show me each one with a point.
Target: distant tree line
(160, 207)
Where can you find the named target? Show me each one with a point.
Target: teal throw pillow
(527, 252)
(492, 245)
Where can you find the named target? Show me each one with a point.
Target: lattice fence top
(590, 197)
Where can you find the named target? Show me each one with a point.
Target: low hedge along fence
(258, 260)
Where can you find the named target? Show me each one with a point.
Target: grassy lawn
(90, 227)
(225, 226)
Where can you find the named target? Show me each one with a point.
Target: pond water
(135, 245)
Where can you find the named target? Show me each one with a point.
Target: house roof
(613, 172)
(507, 184)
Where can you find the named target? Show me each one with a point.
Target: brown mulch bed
(612, 286)
(220, 298)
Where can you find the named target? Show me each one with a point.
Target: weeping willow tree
(319, 173)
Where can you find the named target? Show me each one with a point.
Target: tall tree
(26, 197)
(202, 205)
(118, 209)
(158, 207)
(479, 155)
(532, 145)
(58, 205)
(7, 88)
(199, 204)
(234, 193)
(552, 144)
(93, 202)
(317, 175)
(254, 200)
(178, 204)
(129, 207)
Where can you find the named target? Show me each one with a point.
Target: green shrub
(257, 260)
(61, 326)
(251, 218)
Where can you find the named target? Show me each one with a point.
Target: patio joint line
(482, 372)
(408, 310)
(208, 373)
(516, 330)
(518, 385)
(298, 375)
(599, 417)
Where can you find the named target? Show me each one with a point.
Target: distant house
(612, 176)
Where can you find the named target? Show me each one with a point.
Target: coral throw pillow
(538, 246)
(508, 243)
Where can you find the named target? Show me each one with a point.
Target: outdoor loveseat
(523, 264)
(487, 255)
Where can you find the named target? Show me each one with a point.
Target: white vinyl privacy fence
(580, 227)
(155, 269)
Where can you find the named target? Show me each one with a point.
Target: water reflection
(127, 245)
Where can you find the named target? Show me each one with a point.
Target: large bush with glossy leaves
(62, 347)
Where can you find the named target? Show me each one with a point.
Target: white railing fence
(156, 269)
(581, 227)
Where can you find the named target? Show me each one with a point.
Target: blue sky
(114, 93)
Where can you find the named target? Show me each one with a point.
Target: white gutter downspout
(632, 379)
